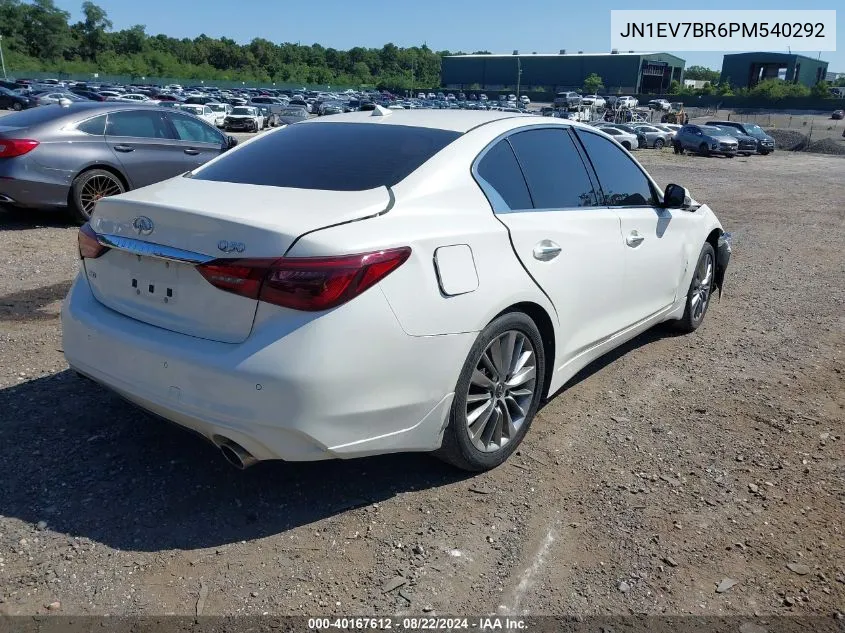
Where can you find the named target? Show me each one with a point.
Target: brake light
(11, 147)
(89, 245)
(304, 283)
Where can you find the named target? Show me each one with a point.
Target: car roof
(454, 120)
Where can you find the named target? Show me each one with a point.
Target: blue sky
(543, 26)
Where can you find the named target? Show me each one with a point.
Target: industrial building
(745, 70)
(620, 72)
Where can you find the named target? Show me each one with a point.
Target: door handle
(634, 239)
(546, 250)
(191, 151)
(124, 148)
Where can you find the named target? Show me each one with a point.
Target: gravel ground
(699, 474)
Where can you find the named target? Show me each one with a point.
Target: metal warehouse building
(745, 70)
(621, 72)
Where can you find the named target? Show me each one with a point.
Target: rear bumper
(25, 183)
(304, 387)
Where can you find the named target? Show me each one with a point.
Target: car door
(653, 236)
(541, 191)
(146, 145)
(198, 141)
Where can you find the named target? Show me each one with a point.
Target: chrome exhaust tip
(236, 454)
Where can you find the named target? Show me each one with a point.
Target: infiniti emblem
(231, 247)
(143, 225)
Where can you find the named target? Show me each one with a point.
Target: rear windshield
(330, 156)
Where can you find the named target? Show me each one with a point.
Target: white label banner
(723, 31)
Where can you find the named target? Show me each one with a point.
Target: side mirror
(676, 197)
(231, 141)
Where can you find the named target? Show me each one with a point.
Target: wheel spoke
(508, 341)
(498, 357)
(521, 377)
(490, 428)
(509, 429)
(520, 393)
(472, 417)
(520, 363)
(478, 397)
(510, 400)
(480, 380)
(488, 363)
(477, 429)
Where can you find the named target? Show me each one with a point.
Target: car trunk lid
(159, 234)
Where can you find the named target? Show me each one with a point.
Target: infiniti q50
(289, 303)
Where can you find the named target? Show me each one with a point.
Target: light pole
(518, 76)
(2, 61)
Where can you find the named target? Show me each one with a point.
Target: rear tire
(17, 107)
(658, 144)
(497, 394)
(89, 187)
(700, 290)
(626, 145)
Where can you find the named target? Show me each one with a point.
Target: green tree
(821, 90)
(702, 72)
(593, 83)
(92, 30)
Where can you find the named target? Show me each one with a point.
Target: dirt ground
(700, 474)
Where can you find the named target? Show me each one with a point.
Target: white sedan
(204, 112)
(426, 299)
(594, 100)
(133, 98)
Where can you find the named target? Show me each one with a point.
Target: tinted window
(95, 126)
(138, 123)
(504, 185)
(189, 129)
(318, 156)
(553, 169)
(622, 181)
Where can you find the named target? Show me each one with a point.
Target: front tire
(658, 144)
(497, 394)
(89, 187)
(700, 290)
(17, 107)
(704, 150)
(626, 145)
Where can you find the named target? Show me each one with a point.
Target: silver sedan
(654, 137)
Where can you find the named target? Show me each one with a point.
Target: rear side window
(622, 181)
(138, 124)
(503, 183)
(330, 156)
(553, 168)
(95, 126)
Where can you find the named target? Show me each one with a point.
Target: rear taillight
(304, 283)
(11, 147)
(89, 245)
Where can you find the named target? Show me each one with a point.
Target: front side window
(553, 168)
(193, 130)
(503, 182)
(622, 181)
(138, 124)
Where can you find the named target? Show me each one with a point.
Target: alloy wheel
(702, 282)
(97, 187)
(501, 390)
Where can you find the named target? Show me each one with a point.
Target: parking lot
(672, 465)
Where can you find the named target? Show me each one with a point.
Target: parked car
(244, 118)
(567, 100)
(203, 112)
(746, 145)
(220, 111)
(200, 99)
(659, 104)
(765, 143)
(594, 100)
(468, 327)
(838, 114)
(654, 137)
(10, 100)
(627, 102)
(525, 100)
(70, 157)
(52, 98)
(627, 140)
(134, 97)
(705, 140)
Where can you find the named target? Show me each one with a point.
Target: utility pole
(518, 76)
(2, 61)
